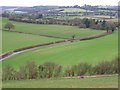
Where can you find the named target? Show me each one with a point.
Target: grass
(99, 17)
(54, 30)
(106, 11)
(99, 82)
(92, 51)
(12, 40)
(74, 10)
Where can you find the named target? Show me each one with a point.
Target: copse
(9, 26)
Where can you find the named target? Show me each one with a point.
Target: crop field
(91, 51)
(99, 82)
(54, 30)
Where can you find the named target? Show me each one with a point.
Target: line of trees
(52, 70)
(82, 23)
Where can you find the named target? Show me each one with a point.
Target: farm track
(20, 50)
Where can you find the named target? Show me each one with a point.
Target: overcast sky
(57, 2)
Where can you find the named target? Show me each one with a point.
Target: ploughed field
(90, 51)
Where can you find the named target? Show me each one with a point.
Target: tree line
(52, 70)
(82, 23)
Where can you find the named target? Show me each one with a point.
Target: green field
(74, 10)
(91, 51)
(54, 30)
(66, 54)
(99, 17)
(12, 40)
(99, 82)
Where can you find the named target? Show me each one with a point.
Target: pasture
(91, 51)
(13, 40)
(54, 30)
(74, 10)
(67, 54)
(98, 17)
(99, 82)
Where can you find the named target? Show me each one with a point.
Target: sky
(57, 2)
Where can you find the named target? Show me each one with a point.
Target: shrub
(78, 70)
(115, 65)
(41, 71)
(22, 73)
(49, 69)
(8, 73)
(83, 68)
(104, 67)
(68, 71)
(57, 71)
(31, 70)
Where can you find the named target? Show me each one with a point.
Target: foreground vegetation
(31, 70)
(99, 82)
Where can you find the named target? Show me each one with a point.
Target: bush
(104, 67)
(83, 68)
(57, 71)
(31, 70)
(8, 73)
(49, 69)
(115, 65)
(78, 70)
(22, 73)
(70, 71)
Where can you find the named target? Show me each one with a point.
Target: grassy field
(74, 10)
(99, 82)
(91, 51)
(12, 40)
(100, 17)
(54, 30)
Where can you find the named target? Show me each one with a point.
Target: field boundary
(96, 36)
(38, 34)
(10, 53)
